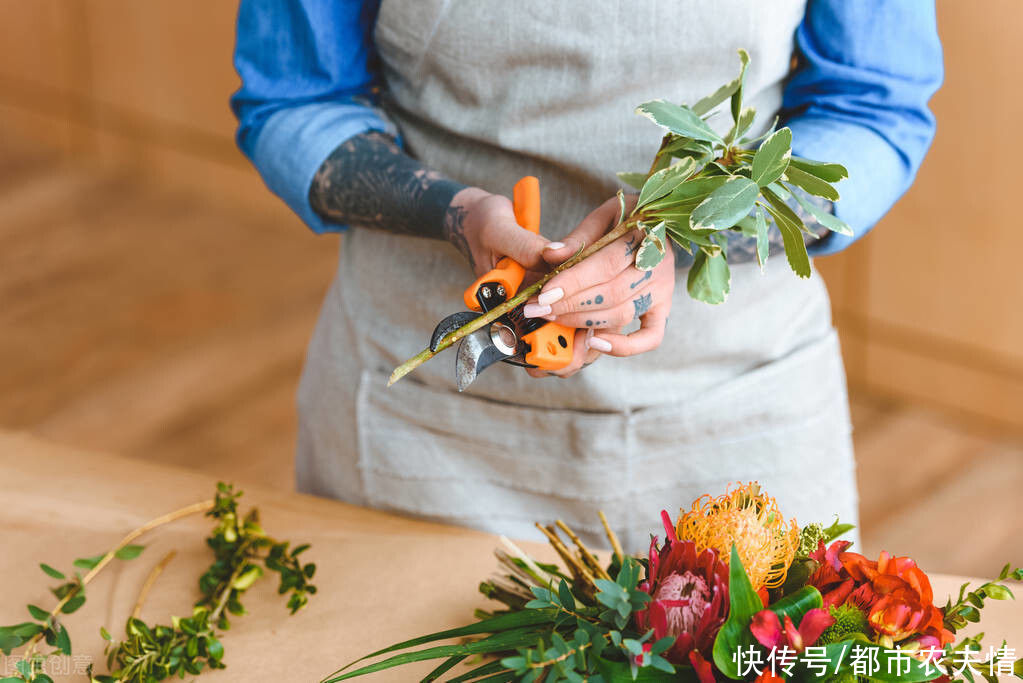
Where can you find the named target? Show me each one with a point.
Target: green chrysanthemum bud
(849, 620)
(809, 538)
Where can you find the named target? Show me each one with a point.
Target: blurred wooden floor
(168, 326)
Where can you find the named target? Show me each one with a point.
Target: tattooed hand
(482, 226)
(605, 292)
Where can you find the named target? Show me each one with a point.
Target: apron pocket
(481, 463)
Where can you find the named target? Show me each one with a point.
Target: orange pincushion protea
(766, 543)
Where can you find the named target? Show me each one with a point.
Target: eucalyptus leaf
(811, 183)
(829, 172)
(38, 613)
(664, 181)
(63, 640)
(772, 158)
(709, 278)
(87, 562)
(678, 119)
(635, 180)
(725, 205)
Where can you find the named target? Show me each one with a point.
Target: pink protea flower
(689, 599)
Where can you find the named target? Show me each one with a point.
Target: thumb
(592, 228)
(520, 244)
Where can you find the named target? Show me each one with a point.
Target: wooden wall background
(928, 307)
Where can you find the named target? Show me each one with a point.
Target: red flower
(767, 629)
(689, 594)
(893, 592)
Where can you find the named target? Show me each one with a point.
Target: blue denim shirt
(867, 70)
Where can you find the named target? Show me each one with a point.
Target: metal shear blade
(476, 352)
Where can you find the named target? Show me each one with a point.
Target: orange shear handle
(550, 345)
(526, 203)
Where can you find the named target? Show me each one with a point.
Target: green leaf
(742, 125)
(828, 220)
(635, 180)
(832, 173)
(688, 195)
(796, 605)
(709, 278)
(725, 205)
(499, 623)
(652, 249)
(998, 592)
(772, 158)
(129, 552)
(38, 613)
(743, 603)
(836, 530)
(105, 634)
(64, 640)
(87, 562)
(791, 234)
(73, 603)
(621, 672)
(499, 642)
(678, 119)
(444, 667)
(664, 181)
(51, 571)
(703, 106)
(811, 184)
(737, 95)
(763, 245)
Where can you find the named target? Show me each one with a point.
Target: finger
(599, 268)
(537, 373)
(647, 338)
(504, 236)
(628, 284)
(589, 230)
(618, 316)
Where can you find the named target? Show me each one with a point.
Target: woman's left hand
(605, 292)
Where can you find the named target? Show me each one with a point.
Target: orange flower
(766, 543)
(893, 592)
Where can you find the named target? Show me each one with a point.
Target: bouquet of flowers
(735, 591)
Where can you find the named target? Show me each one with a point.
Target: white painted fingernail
(550, 296)
(599, 344)
(554, 245)
(535, 310)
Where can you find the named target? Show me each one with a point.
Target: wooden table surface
(381, 578)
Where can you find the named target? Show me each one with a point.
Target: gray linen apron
(754, 389)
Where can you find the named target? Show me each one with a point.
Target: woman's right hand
(482, 226)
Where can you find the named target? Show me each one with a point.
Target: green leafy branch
(242, 550)
(700, 187)
(46, 626)
(150, 653)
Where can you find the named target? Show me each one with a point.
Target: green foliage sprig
(242, 552)
(700, 187)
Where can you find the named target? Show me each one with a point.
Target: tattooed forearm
(368, 181)
(743, 249)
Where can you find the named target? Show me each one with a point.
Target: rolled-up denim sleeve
(859, 98)
(308, 83)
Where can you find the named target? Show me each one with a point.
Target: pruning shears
(512, 338)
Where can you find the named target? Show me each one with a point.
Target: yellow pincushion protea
(766, 543)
